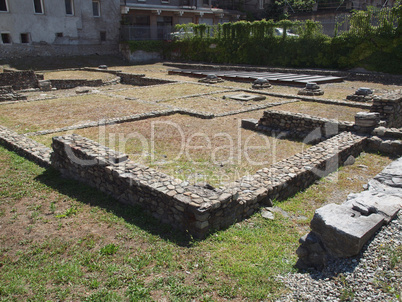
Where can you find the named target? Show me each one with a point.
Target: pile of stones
(363, 94)
(211, 79)
(261, 83)
(311, 89)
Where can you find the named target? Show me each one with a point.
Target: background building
(155, 19)
(58, 27)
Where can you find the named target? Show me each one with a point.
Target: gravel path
(374, 275)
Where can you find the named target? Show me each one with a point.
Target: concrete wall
(81, 28)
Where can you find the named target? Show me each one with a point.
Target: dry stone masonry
(389, 107)
(25, 146)
(197, 209)
(300, 125)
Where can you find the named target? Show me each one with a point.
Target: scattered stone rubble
(7, 93)
(340, 231)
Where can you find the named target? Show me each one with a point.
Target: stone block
(249, 124)
(369, 202)
(342, 230)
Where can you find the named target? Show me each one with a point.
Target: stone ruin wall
(298, 125)
(140, 79)
(197, 209)
(390, 109)
(19, 79)
(312, 129)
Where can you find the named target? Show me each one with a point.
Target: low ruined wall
(128, 182)
(68, 84)
(19, 79)
(25, 147)
(193, 208)
(300, 125)
(140, 79)
(390, 108)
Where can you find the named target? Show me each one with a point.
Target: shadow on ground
(134, 215)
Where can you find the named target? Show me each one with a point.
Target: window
(6, 38)
(38, 6)
(103, 36)
(25, 38)
(205, 2)
(3, 6)
(59, 35)
(96, 8)
(69, 7)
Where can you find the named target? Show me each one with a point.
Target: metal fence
(145, 32)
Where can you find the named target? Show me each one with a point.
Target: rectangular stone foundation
(196, 209)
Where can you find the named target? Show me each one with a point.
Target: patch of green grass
(69, 212)
(104, 251)
(109, 249)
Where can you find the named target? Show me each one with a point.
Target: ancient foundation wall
(68, 84)
(197, 209)
(25, 147)
(140, 79)
(19, 79)
(390, 109)
(300, 125)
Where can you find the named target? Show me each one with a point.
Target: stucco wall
(82, 28)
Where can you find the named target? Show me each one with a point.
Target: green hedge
(372, 47)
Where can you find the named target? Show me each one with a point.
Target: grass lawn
(341, 113)
(78, 75)
(165, 92)
(215, 150)
(60, 240)
(216, 104)
(49, 114)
